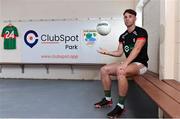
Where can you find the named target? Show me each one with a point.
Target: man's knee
(104, 70)
(120, 73)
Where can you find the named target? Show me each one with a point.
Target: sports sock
(121, 100)
(107, 94)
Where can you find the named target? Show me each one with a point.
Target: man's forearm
(132, 55)
(114, 53)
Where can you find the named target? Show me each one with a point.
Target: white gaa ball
(103, 28)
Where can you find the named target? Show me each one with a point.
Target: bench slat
(169, 90)
(173, 83)
(166, 103)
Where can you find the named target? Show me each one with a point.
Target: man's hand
(123, 66)
(102, 51)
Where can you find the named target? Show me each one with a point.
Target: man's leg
(105, 73)
(131, 70)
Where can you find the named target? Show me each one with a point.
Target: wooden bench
(165, 93)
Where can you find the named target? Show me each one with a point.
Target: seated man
(133, 42)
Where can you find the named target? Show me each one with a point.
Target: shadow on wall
(162, 51)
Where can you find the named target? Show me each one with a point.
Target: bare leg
(105, 73)
(131, 70)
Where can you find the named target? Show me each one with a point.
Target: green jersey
(9, 33)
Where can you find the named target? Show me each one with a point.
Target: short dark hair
(130, 11)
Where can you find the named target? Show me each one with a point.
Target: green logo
(128, 48)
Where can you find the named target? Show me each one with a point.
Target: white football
(103, 28)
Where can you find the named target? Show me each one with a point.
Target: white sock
(108, 98)
(120, 105)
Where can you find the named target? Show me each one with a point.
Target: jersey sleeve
(16, 32)
(120, 39)
(142, 35)
(3, 32)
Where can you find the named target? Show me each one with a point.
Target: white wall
(168, 39)
(58, 9)
(0, 11)
(42, 9)
(151, 22)
(178, 41)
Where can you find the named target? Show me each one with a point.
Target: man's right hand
(102, 51)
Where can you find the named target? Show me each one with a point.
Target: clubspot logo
(31, 38)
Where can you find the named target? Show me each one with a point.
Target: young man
(133, 42)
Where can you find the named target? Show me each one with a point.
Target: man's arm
(136, 50)
(116, 53)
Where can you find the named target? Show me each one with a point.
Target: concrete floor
(67, 99)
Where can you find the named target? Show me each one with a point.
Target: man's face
(129, 19)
